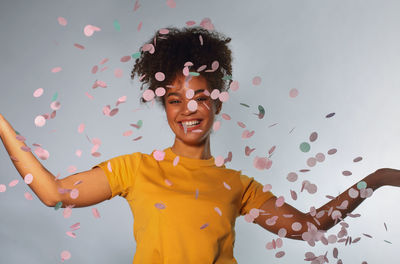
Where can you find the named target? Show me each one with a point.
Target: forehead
(182, 84)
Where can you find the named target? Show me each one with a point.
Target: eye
(202, 99)
(174, 102)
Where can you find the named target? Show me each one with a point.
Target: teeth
(190, 123)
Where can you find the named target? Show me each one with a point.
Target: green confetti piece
(387, 241)
(136, 55)
(58, 205)
(246, 105)
(16, 132)
(361, 185)
(140, 123)
(194, 73)
(262, 111)
(227, 77)
(54, 97)
(117, 26)
(305, 147)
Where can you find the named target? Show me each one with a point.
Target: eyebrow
(178, 94)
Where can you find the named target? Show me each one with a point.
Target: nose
(186, 109)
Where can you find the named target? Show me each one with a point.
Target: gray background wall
(342, 56)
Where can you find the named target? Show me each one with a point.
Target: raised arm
(296, 223)
(92, 185)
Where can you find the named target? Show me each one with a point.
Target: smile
(190, 124)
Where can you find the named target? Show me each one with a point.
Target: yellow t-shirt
(184, 213)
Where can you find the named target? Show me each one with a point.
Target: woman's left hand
(387, 176)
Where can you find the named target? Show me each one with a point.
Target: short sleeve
(253, 195)
(121, 172)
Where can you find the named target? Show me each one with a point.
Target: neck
(201, 151)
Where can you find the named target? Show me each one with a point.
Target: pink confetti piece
(234, 86)
(75, 226)
(206, 24)
(3, 188)
(160, 91)
(89, 96)
(192, 105)
(216, 125)
(42, 153)
(267, 187)
(148, 95)
(168, 182)
(136, 6)
(271, 221)
(159, 76)
(247, 134)
(125, 58)
(311, 162)
(148, 47)
(78, 153)
(118, 73)
(241, 124)
(189, 93)
(280, 201)
(280, 254)
(138, 138)
(292, 176)
(293, 93)
(160, 206)
(346, 173)
(313, 136)
(81, 128)
(71, 234)
(71, 169)
(127, 133)
(176, 160)
(67, 212)
(190, 23)
(214, 94)
(74, 193)
(56, 69)
(158, 155)
(227, 186)
(114, 111)
(28, 178)
(28, 196)
(55, 105)
(95, 213)
(219, 161)
(320, 157)
(254, 212)
(197, 194)
(88, 30)
(224, 96)
(226, 116)
(202, 68)
(95, 68)
(296, 226)
(163, 31)
(332, 151)
(256, 80)
(248, 150)
(201, 40)
(78, 182)
(65, 255)
(79, 46)
(38, 92)
(40, 121)
(248, 218)
(282, 232)
(357, 159)
(204, 226)
(62, 21)
(293, 194)
(218, 210)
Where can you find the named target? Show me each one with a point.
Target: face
(190, 125)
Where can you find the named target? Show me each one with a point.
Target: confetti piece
(256, 80)
(330, 115)
(262, 163)
(117, 26)
(357, 159)
(248, 150)
(219, 161)
(88, 30)
(55, 96)
(127, 133)
(163, 31)
(261, 112)
(160, 91)
(206, 24)
(313, 136)
(282, 232)
(267, 187)
(292, 176)
(136, 139)
(75, 226)
(247, 134)
(168, 182)
(176, 160)
(38, 92)
(218, 210)
(67, 212)
(311, 162)
(361, 185)
(224, 96)
(41, 153)
(136, 6)
(136, 55)
(353, 193)
(3, 188)
(388, 242)
(65, 255)
(190, 23)
(227, 186)
(125, 58)
(62, 21)
(346, 173)
(74, 193)
(55, 105)
(78, 153)
(160, 205)
(28, 196)
(367, 235)
(280, 254)
(305, 147)
(148, 95)
(158, 155)
(216, 125)
(95, 69)
(246, 105)
(385, 226)
(215, 94)
(139, 27)
(118, 73)
(320, 157)
(71, 234)
(332, 151)
(296, 226)
(293, 93)
(271, 221)
(242, 125)
(95, 213)
(293, 194)
(58, 205)
(171, 3)
(204, 226)
(81, 128)
(79, 46)
(192, 105)
(28, 178)
(71, 169)
(89, 96)
(56, 69)
(234, 86)
(280, 201)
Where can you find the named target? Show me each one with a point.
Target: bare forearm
(43, 184)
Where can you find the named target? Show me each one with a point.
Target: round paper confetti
(163, 31)
(320, 157)
(330, 115)
(160, 205)
(361, 185)
(282, 232)
(192, 105)
(56, 69)
(292, 177)
(305, 147)
(189, 93)
(224, 96)
(226, 116)
(28, 196)
(215, 94)
(168, 182)
(293, 93)
(148, 95)
(332, 151)
(256, 80)
(267, 187)
(346, 173)
(38, 92)
(280, 201)
(219, 161)
(160, 76)
(118, 73)
(13, 183)
(3, 188)
(40, 121)
(353, 193)
(28, 178)
(58, 206)
(234, 86)
(204, 226)
(158, 155)
(65, 255)
(160, 91)
(296, 226)
(227, 186)
(311, 162)
(74, 193)
(216, 125)
(313, 136)
(62, 21)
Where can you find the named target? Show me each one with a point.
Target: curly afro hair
(171, 49)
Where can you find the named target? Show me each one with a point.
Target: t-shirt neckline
(190, 161)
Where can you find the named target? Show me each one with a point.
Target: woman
(185, 202)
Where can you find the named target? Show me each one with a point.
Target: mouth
(190, 125)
